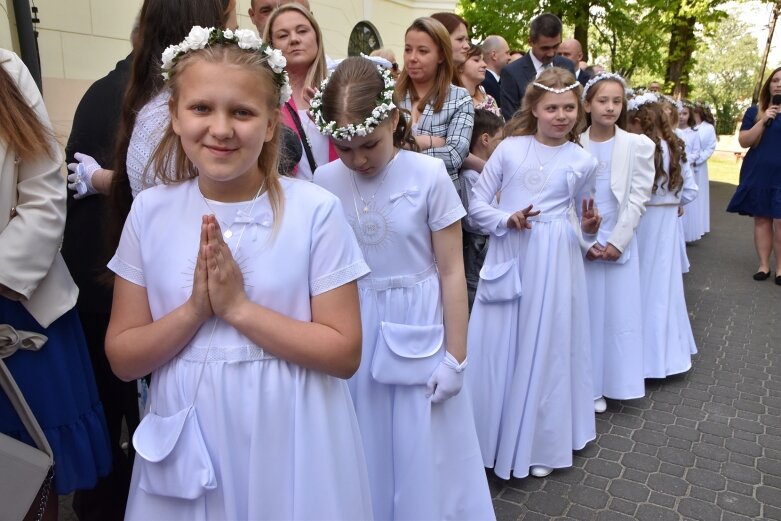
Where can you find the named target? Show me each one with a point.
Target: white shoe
(600, 405)
(538, 471)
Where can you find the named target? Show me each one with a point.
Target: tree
(725, 70)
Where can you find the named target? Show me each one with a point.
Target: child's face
(474, 69)
(606, 105)
(556, 116)
(367, 155)
(683, 118)
(223, 116)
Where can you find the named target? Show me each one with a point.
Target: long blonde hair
(524, 123)
(439, 92)
(318, 70)
(169, 156)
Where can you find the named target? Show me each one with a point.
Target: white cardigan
(30, 261)
(631, 181)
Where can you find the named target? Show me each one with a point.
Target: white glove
(446, 380)
(80, 181)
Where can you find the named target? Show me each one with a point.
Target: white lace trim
(448, 219)
(338, 278)
(126, 271)
(218, 354)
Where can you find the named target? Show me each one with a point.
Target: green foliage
(507, 18)
(727, 64)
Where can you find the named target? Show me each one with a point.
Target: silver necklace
(242, 216)
(370, 202)
(537, 154)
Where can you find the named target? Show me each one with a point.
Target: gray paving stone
(588, 497)
(545, 503)
(656, 513)
(739, 504)
(662, 500)
(628, 490)
(769, 495)
(677, 456)
(691, 508)
(581, 513)
(743, 447)
(706, 478)
(506, 511)
(623, 506)
(640, 461)
(711, 452)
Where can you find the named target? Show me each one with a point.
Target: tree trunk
(679, 59)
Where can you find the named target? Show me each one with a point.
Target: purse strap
(310, 157)
(17, 400)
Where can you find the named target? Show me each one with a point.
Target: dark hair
(690, 121)
(704, 112)
(352, 93)
(764, 94)
(451, 21)
(547, 25)
(23, 133)
(161, 23)
(524, 123)
(445, 72)
(485, 122)
(592, 92)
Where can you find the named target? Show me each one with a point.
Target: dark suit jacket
(584, 77)
(516, 76)
(491, 86)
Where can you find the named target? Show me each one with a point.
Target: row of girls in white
(551, 334)
(250, 301)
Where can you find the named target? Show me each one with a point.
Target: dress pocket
(407, 354)
(174, 459)
(499, 282)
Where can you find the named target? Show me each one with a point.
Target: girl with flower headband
(668, 342)
(530, 377)
(692, 217)
(708, 139)
(235, 288)
(418, 431)
(624, 177)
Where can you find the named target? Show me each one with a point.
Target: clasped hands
(218, 284)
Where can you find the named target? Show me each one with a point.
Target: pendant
(366, 209)
(228, 234)
(541, 167)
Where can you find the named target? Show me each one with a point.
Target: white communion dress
(283, 440)
(424, 459)
(668, 342)
(529, 335)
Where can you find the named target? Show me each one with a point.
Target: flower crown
(599, 77)
(638, 101)
(379, 114)
(556, 91)
(201, 37)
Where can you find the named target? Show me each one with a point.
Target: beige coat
(30, 261)
(631, 180)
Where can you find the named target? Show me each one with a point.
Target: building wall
(81, 40)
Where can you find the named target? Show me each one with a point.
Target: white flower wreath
(379, 114)
(599, 77)
(638, 101)
(201, 37)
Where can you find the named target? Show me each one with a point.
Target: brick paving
(702, 446)
(705, 445)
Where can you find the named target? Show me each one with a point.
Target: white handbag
(24, 470)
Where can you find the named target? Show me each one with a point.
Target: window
(363, 39)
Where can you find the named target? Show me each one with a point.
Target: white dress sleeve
(488, 218)
(444, 204)
(690, 188)
(334, 257)
(708, 141)
(127, 261)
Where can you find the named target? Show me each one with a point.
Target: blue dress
(59, 386)
(759, 191)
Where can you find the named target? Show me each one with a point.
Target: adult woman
(759, 192)
(293, 30)
(37, 295)
(458, 29)
(472, 74)
(442, 115)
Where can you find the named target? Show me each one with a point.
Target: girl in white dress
(624, 178)
(691, 219)
(420, 441)
(529, 338)
(668, 342)
(708, 140)
(247, 318)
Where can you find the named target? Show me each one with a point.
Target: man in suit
(544, 40)
(496, 54)
(573, 51)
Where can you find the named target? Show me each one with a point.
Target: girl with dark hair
(42, 341)
(530, 371)
(691, 218)
(472, 73)
(417, 427)
(708, 139)
(668, 342)
(759, 193)
(235, 288)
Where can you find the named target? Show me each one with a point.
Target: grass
(723, 168)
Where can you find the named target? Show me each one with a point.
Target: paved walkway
(705, 445)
